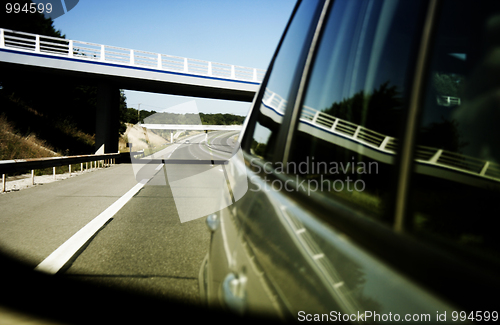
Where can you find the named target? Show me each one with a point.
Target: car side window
(275, 99)
(456, 179)
(346, 137)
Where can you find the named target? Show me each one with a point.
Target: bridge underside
(130, 83)
(116, 78)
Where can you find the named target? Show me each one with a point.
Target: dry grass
(57, 133)
(16, 146)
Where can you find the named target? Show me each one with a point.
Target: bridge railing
(23, 165)
(112, 54)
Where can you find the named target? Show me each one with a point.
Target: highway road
(145, 246)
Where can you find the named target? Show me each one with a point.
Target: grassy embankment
(26, 133)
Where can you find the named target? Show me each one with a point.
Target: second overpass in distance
(192, 127)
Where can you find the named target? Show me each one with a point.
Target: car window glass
(457, 161)
(346, 138)
(274, 102)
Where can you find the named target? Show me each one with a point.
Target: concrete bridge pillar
(108, 102)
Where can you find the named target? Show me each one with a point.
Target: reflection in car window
(348, 126)
(274, 101)
(457, 168)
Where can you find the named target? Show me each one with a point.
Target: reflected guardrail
(118, 55)
(382, 147)
(22, 165)
(427, 155)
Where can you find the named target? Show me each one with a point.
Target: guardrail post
(269, 101)
(3, 182)
(185, 65)
(254, 74)
(32, 177)
(334, 125)
(132, 57)
(70, 48)
(159, 61)
(384, 143)
(81, 167)
(2, 36)
(356, 132)
(434, 159)
(209, 68)
(54, 172)
(69, 170)
(103, 56)
(37, 43)
(315, 117)
(233, 74)
(484, 169)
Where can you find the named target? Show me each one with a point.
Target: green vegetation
(447, 84)
(379, 111)
(221, 119)
(131, 116)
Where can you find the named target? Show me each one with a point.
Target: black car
(372, 158)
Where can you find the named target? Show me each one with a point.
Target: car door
(328, 225)
(325, 205)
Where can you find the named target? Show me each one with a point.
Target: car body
(368, 199)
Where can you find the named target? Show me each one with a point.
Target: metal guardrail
(136, 58)
(21, 165)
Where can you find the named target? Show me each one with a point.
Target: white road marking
(160, 166)
(55, 261)
(214, 153)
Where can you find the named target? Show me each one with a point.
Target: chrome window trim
(303, 81)
(416, 98)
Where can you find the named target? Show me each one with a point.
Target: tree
(447, 84)
(379, 111)
(34, 23)
(49, 103)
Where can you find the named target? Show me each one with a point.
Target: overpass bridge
(192, 127)
(113, 68)
(188, 127)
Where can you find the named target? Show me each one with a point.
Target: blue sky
(240, 32)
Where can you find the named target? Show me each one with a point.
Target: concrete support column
(108, 102)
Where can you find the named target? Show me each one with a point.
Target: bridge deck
(130, 69)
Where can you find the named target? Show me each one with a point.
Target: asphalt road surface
(146, 246)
